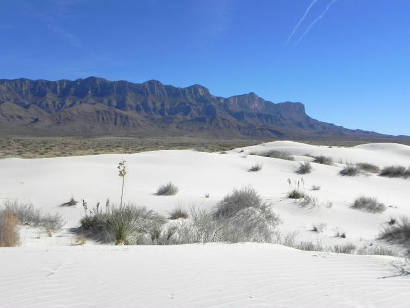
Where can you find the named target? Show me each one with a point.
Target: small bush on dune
(275, 154)
(324, 160)
(304, 168)
(178, 213)
(124, 225)
(243, 216)
(368, 167)
(369, 205)
(349, 170)
(395, 172)
(398, 233)
(315, 187)
(167, 190)
(296, 194)
(8, 229)
(255, 168)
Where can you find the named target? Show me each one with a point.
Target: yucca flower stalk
(122, 172)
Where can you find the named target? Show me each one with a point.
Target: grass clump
(178, 213)
(349, 170)
(124, 225)
(345, 248)
(168, 189)
(295, 194)
(275, 154)
(324, 160)
(255, 168)
(370, 205)
(304, 168)
(398, 233)
(243, 216)
(366, 167)
(395, 172)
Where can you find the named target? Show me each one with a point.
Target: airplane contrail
(315, 21)
(305, 14)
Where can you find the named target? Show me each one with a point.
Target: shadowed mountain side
(97, 107)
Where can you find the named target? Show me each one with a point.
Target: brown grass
(8, 229)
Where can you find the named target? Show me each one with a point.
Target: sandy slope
(241, 275)
(50, 272)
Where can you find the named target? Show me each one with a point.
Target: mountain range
(99, 107)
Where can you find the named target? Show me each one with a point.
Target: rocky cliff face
(95, 106)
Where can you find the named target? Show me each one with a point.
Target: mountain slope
(95, 106)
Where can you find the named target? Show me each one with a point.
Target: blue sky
(348, 61)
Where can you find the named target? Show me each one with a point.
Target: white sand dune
(212, 275)
(50, 272)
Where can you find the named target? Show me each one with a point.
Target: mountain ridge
(95, 106)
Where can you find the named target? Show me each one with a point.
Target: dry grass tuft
(8, 229)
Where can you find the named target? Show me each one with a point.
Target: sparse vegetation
(349, 170)
(304, 168)
(370, 205)
(295, 194)
(240, 216)
(366, 167)
(324, 160)
(395, 172)
(178, 213)
(376, 250)
(398, 233)
(27, 215)
(167, 190)
(345, 248)
(255, 168)
(275, 154)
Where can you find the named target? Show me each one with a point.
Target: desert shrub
(168, 189)
(255, 168)
(315, 187)
(275, 154)
(395, 172)
(236, 201)
(243, 216)
(26, 214)
(345, 248)
(124, 225)
(200, 228)
(178, 213)
(71, 202)
(304, 168)
(324, 160)
(398, 233)
(295, 194)
(368, 167)
(349, 170)
(369, 205)
(319, 227)
(8, 229)
(340, 234)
